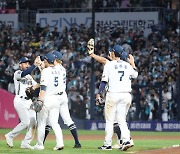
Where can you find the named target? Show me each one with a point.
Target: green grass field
(90, 146)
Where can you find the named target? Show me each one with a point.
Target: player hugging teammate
(117, 75)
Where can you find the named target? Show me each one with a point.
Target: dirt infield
(169, 150)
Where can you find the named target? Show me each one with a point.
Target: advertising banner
(8, 115)
(139, 125)
(9, 19)
(127, 20)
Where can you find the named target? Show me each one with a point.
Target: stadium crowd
(156, 56)
(99, 4)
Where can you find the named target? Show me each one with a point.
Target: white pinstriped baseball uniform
(118, 75)
(64, 110)
(22, 106)
(52, 78)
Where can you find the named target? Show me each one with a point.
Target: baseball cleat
(117, 146)
(131, 142)
(9, 140)
(38, 147)
(26, 146)
(77, 145)
(105, 147)
(125, 146)
(58, 148)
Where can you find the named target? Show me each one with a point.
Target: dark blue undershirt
(102, 87)
(28, 71)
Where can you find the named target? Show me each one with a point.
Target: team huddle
(43, 112)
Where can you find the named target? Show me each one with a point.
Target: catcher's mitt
(90, 46)
(30, 92)
(36, 105)
(100, 102)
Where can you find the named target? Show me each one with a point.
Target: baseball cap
(49, 57)
(117, 49)
(58, 55)
(24, 60)
(42, 57)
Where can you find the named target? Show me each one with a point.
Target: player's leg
(110, 111)
(127, 109)
(74, 133)
(53, 119)
(64, 112)
(122, 108)
(117, 131)
(30, 131)
(47, 130)
(24, 118)
(41, 120)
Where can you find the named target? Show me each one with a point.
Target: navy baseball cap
(58, 55)
(42, 57)
(24, 60)
(117, 49)
(49, 57)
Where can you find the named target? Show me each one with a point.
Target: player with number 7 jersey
(117, 75)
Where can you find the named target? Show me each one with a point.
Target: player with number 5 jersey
(63, 99)
(51, 87)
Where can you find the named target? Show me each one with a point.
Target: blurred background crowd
(156, 57)
(106, 4)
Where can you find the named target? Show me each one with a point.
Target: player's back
(52, 78)
(119, 76)
(63, 73)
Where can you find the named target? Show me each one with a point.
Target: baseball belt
(24, 97)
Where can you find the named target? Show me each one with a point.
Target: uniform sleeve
(17, 75)
(44, 77)
(133, 72)
(105, 75)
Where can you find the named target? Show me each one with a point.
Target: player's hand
(41, 66)
(99, 101)
(37, 61)
(37, 105)
(131, 60)
(90, 46)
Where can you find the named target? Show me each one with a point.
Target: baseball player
(64, 110)
(51, 89)
(117, 75)
(22, 80)
(104, 60)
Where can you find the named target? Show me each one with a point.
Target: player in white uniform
(51, 89)
(22, 80)
(117, 74)
(64, 110)
(103, 60)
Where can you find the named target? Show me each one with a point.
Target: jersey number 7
(121, 74)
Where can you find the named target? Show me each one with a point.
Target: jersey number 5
(56, 81)
(121, 74)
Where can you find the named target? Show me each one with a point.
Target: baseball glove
(30, 92)
(90, 46)
(100, 102)
(37, 105)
